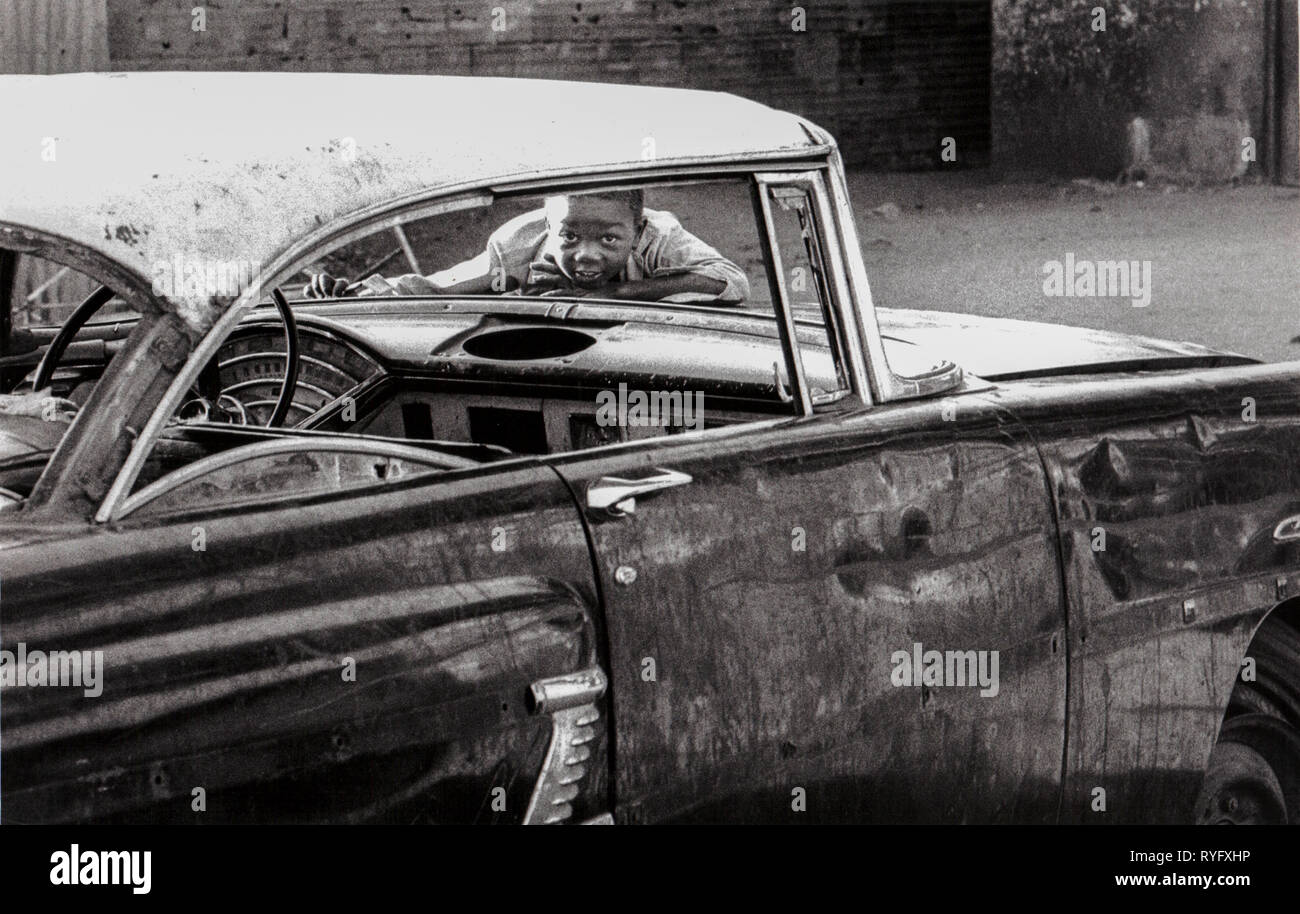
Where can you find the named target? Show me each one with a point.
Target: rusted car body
(705, 626)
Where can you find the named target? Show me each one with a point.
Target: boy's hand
(544, 275)
(323, 285)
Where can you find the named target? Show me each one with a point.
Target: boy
(605, 244)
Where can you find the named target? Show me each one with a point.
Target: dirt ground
(1225, 261)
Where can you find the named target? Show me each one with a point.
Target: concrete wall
(1064, 93)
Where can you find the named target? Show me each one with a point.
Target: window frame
(833, 297)
(118, 504)
(885, 384)
(336, 444)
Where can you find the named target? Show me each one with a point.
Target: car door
(36, 297)
(767, 587)
(314, 630)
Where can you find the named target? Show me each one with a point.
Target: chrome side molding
(559, 693)
(570, 700)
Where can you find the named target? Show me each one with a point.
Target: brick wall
(846, 69)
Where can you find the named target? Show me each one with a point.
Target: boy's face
(591, 237)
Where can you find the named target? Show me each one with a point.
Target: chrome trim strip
(224, 459)
(570, 700)
(807, 157)
(272, 354)
(885, 384)
(793, 354)
(559, 693)
(842, 304)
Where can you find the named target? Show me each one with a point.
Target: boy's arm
(499, 268)
(681, 266)
(470, 277)
(661, 287)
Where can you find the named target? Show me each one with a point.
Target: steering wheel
(97, 299)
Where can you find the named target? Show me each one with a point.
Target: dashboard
(466, 378)
(525, 386)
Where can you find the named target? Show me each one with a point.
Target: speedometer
(252, 365)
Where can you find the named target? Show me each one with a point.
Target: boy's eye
(610, 239)
(566, 235)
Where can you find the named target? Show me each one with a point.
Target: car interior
(466, 379)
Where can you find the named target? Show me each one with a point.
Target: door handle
(618, 496)
(782, 392)
(1288, 531)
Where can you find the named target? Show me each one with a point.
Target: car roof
(146, 168)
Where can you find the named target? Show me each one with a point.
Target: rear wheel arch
(1253, 772)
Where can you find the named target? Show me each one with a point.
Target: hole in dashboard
(417, 421)
(523, 431)
(525, 343)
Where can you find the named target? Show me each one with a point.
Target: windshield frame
(82, 466)
(431, 203)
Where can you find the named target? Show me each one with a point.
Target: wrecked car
(501, 557)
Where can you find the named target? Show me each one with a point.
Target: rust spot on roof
(127, 234)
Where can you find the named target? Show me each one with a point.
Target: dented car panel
(1168, 489)
(357, 659)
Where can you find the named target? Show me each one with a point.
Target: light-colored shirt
(663, 248)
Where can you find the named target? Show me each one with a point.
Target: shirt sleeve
(406, 284)
(505, 259)
(672, 249)
(514, 246)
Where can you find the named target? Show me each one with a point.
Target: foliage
(1052, 44)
